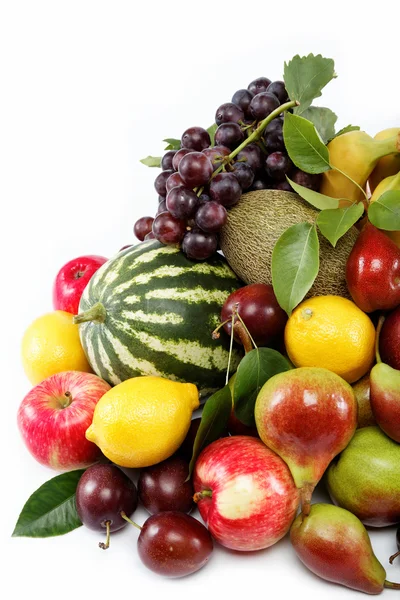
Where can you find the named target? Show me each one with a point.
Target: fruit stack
(289, 339)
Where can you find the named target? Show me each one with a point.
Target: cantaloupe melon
(255, 224)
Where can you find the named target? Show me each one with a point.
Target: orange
(333, 333)
(51, 345)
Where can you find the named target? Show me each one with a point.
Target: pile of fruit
(288, 339)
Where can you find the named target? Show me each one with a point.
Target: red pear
(389, 340)
(373, 271)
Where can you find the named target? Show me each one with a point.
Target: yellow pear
(388, 184)
(387, 165)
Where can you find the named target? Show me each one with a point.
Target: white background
(86, 90)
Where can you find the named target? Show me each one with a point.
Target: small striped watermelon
(151, 311)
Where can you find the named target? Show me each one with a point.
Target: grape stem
(256, 133)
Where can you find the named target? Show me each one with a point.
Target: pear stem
(305, 498)
(123, 515)
(378, 333)
(391, 559)
(96, 313)
(390, 585)
(200, 495)
(106, 544)
(243, 336)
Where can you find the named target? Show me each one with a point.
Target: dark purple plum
(164, 487)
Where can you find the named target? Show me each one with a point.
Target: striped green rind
(161, 310)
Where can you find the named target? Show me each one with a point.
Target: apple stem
(200, 495)
(378, 334)
(391, 559)
(123, 515)
(68, 401)
(96, 313)
(305, 498)
(391, 585)
(106, 544)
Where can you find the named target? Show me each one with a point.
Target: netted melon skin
(255, 224)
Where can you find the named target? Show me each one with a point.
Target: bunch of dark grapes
(193, 198)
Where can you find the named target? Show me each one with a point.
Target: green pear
(365, 478)
(335, 545)
(361, 391)
(385, 399)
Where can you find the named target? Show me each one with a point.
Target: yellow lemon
(51, 345)
(333, 333)
(143, 420)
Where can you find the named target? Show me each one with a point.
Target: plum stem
(200, 495)
(378, 334)
(391, 585)
(106, 544)
(391, 559)
(123, 515)
(305, 498)
(215, 334)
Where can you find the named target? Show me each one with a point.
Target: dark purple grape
(259, 85)
(261, 183)
(244, 174)
(274, 125)
(169, 230)
(142, 227)
(203, 198)
(216, 154)
(150, 236)
(178, 157)
(278, 165)
(229, 134)
(126, 246)
(284, 186)
(161, 198)
(173, 180)
(198, 245)
(195, 169)
(166, 161)
(262, 105)
(225, 189)
(162, 207)
(196, 138)
(164, 487)
(181, 202)
(229, 113)
(160, 182)
(279, 90)
(274, 142)
(103, 492)
(174, 544)
(211, 217)
(242, 98)
(306, 179)
(252, 156)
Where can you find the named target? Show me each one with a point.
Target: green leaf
(51, 510)
(254, 370)
(324, 120)
(211, 130)
(214, 419)
(384, 212)
(295, 264)
(151, 161)
(304, 146)
(346, 130)
(316, 199)
(306, 76)
(334, 223)
(173, 144)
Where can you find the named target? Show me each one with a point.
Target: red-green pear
(362, 393)
(335, 545)
(385, 399)
(307, 416)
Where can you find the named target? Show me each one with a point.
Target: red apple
(72, 279)
(53, 418)
(245, 493)
(389, 340)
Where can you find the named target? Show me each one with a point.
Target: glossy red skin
(72, 279)
(55, 436)
(254, 498)
(373, 271)
(260, 311)
(174, 544)
(163, 486)
(103, 492)
(389, 340)
(385, 400)
(307, 415)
